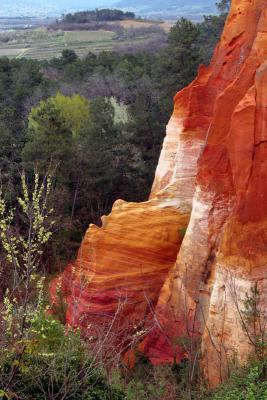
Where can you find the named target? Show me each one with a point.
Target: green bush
(148, 382)
(53, 364)
(249, 383)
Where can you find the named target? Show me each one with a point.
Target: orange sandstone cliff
(211, 177)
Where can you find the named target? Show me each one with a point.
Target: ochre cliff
(224, 250)
(211, 176)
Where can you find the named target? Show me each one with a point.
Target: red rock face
(224, 250)
(212, 175)
(123, 262)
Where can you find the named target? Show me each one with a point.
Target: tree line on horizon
(97, 15)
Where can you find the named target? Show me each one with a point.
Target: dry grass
(87, 36)
(143, 24)
(10, 52)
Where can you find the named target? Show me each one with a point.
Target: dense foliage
(247, 383)
(51, 364)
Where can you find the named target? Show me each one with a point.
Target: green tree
(181, 59)
(68, 56)
(147, 127)
(19, 80)
(73, 110)
(23, 246)
(49, 139)
(106, 161)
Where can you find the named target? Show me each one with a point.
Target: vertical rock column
(229, 205)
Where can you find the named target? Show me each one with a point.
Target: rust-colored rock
(224, 250)
(123, 262)
(212, 173)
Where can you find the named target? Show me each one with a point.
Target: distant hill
(11, 8)
(169, 8)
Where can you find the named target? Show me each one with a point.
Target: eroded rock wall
(211, 177)
(224, 250)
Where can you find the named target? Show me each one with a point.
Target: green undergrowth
(51, 362)
(247, 383)
(170, 383)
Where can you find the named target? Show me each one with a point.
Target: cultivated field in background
(44, 44)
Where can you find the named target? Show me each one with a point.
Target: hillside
(170, 8)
